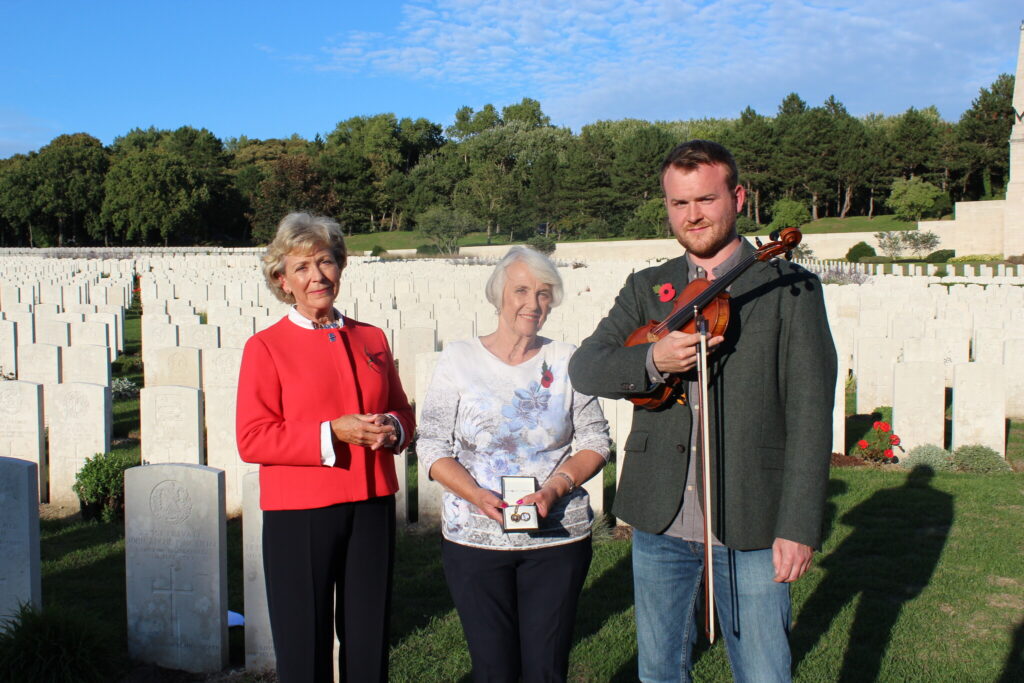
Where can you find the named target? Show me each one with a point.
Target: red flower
(877, 425)
(862, 443)
(666, 292)
(883, 426)
(888, 453)
(546, 377)
(894, 440)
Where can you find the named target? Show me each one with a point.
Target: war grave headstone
(875, 358)
(1013, 367)
(428, 491)
(86, 363)
(175, 366)
(172, 425)
(50, 331)
(80, 423)
(8, 348)
(919, 403)
(20, 581)
(259, 644)
(39, 363)
(21, 426)
(176, 566)
(979, 406)
(220, 392)
(409, 343)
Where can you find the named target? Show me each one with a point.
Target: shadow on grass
(887, 559)
(69, 580)
(609, 595)
(1013, 671)
(421, 594)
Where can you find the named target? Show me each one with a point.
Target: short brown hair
(693, 153)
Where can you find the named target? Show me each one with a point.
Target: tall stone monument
(996, 226)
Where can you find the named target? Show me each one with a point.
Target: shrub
(978, 458)
(789, 213)
(48, 646)
(101, 482)
(891, 243)
(940, 256)
(976, 258)
(123, 388)
(428, 249)
(929, 455)
(859, 251)
(746, 225)
(876, 259)
(840, 276)
(378, 250)
(541, 243)
(802, 252)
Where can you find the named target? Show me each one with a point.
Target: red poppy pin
(546, 377)
(374, 360)
(665, 292)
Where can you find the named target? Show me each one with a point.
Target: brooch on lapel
(374, 360)
(665, 292)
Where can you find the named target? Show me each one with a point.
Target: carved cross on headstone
(173, 591)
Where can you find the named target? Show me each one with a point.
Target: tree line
(507, 172)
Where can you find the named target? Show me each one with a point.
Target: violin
(709, 299)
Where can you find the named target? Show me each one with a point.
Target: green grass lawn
(411, 239)
(919, 580)
(884, 223)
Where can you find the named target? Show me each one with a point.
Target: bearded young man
(771, 389)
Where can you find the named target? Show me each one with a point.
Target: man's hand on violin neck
(677, 351)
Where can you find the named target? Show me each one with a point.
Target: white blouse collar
(305, 323)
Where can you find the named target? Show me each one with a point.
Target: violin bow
(705, 456)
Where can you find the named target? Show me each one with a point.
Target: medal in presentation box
(518, 517)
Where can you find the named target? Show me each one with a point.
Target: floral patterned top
(498, 419)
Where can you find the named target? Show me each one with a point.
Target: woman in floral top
(502, 405)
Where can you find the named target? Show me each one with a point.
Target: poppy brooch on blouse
(546, 376)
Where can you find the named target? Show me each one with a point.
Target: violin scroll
(789, 238)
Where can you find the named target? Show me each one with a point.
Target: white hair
(540, 266)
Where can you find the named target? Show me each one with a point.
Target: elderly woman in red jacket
(321, 409)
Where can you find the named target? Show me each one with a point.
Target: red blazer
(292, 379)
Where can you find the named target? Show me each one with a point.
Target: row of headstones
(176, 581)
(975, 270)
(58, 427)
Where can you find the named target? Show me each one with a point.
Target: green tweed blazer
(772, 388)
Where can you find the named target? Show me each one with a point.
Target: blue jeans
(753, 612)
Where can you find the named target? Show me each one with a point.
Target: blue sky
(264, 69)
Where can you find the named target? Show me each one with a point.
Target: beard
(712, 240)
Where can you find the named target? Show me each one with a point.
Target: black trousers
(307, 554)
(517, 607)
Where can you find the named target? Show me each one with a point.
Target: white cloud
(592, 59)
